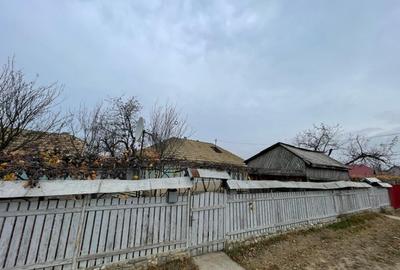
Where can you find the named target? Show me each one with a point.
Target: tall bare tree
(26, 109)
(118, 125)
(324, 138)
(85, 127)
(167, 128)
(360, 150)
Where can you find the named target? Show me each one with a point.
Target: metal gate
(207, 222)
(395, 196)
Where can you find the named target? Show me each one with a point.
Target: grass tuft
(236, 250)
(353, 221)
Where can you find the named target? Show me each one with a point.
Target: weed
(235, 251)
(354, 221)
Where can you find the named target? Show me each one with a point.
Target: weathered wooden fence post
(79, 237)
(334, 202)
(189, 221)
(226, 218)
(307, 211)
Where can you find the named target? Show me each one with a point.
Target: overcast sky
(247, 73)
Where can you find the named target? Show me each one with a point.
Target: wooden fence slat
(9, 250)
(118, 229)
(88, 230)
(26, 236)
(125, 230)
(150, 228)
(156, 225)
(65, 233)
(98, 217)
(111, 230)
(46, 232)
(145, 227)
(36, 235)
(139, 229)
(56, 232)
(160, 223)
(167, 228)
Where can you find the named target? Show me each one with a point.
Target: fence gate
(207, 222)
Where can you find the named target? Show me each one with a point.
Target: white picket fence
(64, 233)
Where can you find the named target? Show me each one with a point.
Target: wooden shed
(287, 162)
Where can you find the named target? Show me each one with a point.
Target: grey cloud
(245, 71)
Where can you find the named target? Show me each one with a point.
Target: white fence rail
(79, 233)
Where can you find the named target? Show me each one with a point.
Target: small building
(199, 155)
(361, 171)
(394, 171)
(48, 142)
(282, 161)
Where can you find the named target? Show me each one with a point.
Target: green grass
(352, 221)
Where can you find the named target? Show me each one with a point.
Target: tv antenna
(139, 128)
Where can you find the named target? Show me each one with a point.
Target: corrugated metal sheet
(18, 189)
(273, 184)
(376, 181)
(207, 173)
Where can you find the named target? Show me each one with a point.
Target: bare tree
(118, 124)
(85, 127)
(360, 150)
(25, 109)
(167, 128)
(322, 137)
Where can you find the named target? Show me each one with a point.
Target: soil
(185, 264)
(394, 212)
(366, 241)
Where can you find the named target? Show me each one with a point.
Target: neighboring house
(395, 171)
(52, 143)
(286, 162)
(46, 157)
(202, 155)
(361, 171)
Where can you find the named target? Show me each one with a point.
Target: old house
(394, 171)
(199, 155)
(44, 155)
(286, 162)
(360, 171)
(49, 142)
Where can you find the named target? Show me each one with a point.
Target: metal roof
(274, 184)
(376, 181)
(17, 189)
(207, 173)
(312, 158)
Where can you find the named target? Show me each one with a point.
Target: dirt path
(216, 260)
(368, 241)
